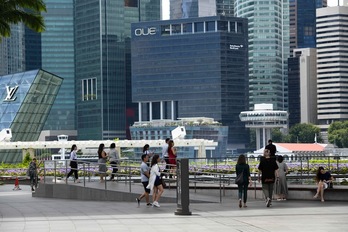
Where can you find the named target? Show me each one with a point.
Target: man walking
(271, 147)
(145, 174)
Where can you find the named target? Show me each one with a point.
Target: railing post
(44, 172)
(84, 174)
(55, 171)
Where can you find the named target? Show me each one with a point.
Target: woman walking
(102, 161)
(155, 182)
(243, 167)
(32, 171)
(114, 159)
(73, 164)
(281, 186)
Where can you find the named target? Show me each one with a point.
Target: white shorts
(325, 185)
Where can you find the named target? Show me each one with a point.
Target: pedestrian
(268, 172)
(172, 157)
(32, 173)
(271, 147)
(281, 186)
(165, 155)
(144, 175)
(114, 160)
(324, 179)
(73, 164)
(146, 150)
(102, 158)
(155, 182)
(243, 167)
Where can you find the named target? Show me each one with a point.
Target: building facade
(303, 23)
(332, 50)
(195, 67)
(102, 33)
(25, 101)
(269, 49)
(180, 9)
(303, 86)
(12, 51)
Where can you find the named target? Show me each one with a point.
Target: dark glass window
(199, 27)
(131, 3)
(165, 30)
(187, 27)
(176, 29)
(210, 26)
(222, 26)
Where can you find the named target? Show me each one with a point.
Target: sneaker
(155, 203)
(149, 204)
(268, 202)
(32, 189)
(137, 200)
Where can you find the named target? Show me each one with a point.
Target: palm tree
(25, 11)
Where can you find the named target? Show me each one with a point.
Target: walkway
(20, 212)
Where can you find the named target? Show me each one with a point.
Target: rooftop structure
(264, 118)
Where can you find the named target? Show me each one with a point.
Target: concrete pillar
(172, 109)
(161, 110)
(150, 113)
(258, 138)
(139, 112)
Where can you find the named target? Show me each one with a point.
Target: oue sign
(145, 31)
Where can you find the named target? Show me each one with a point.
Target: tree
(25, 11)
(304, 133)
(338, 134)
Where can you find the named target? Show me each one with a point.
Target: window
(89, 89)
(165, 30)
(187, 27)
(131, 3)
(199, 27)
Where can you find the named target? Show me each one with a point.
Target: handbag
(239, 179)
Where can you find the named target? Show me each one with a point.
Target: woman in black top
(323, 178)
(268, 174)
(242, 166)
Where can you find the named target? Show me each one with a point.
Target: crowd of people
(272, 171)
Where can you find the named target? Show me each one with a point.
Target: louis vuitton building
(25, 101)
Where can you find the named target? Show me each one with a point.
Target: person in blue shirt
(323, 178)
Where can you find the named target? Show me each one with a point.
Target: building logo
(236, 46)
(145, 31)
(10, 93)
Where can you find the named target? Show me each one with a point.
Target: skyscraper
(332, 50)
(268, 50)
(57, 56)
(303, 22)
(12, 51)
(102, 33)
(200, 8)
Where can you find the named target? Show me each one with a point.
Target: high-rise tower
(268, 50)
(332, 50)
(200, 8)
(102, 51)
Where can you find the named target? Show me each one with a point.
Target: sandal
(316, 196)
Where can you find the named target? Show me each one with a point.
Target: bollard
(183, 188)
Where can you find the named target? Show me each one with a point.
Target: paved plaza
(19, 211)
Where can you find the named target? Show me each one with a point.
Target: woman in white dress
(155, 181)
(281, 186)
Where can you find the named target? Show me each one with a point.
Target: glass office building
(57, 54)
(102, 56)
(269, 49)
(303, 23)
(197, 8)
(26, 100)
(195, 67)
